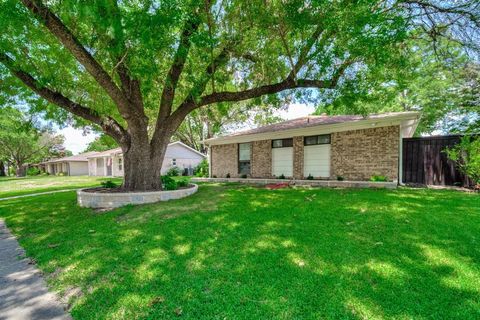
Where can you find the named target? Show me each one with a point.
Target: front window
(244, 154)
(313, 140)
(174, 162)
(282, 143)
(120, 164)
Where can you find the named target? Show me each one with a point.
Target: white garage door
(317, 161)
(282, 162)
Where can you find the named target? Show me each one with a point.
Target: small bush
(378, 178)
(182, 183)
(173, 172)
(282, 176)
(109, 184)
(340, 178)
(310, 177)
(169, 183)
(243, 176)
(466, 156)
(33, 172)
(61, 174)
(202, 169)
(227, 176)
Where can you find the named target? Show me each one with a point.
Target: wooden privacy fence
(425, 162)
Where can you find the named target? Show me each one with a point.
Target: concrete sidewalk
(23, 292)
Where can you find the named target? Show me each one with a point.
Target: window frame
(243, 162)
(286, 143)
(317, 138)
(120, 164)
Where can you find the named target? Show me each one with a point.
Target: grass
(237, 252)
(12, 186)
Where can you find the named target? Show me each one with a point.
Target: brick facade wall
(261, 163)
(355, 155)
(224, 159)
(359, 154)
(298, 157)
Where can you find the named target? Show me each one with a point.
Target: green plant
(243, 176)
(173, 172)
(466, 156)
(202, 169)
(109, 184)
(340, 178)
(282, 176)
(227, 176)
(310, 177)
(378, 178)
(33, 171)
(182, 183)
(61, 174)
(169, 183)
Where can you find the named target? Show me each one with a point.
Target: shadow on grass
(242, 252)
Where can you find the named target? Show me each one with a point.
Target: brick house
(324, 147)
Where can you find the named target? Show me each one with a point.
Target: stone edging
(115, 200)
(313, 183)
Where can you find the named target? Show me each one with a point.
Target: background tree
(115, 63)
(101, 143)
(22, 140)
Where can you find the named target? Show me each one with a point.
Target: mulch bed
(275, 186)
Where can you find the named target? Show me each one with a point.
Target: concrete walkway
(36, 194)
(23, 292)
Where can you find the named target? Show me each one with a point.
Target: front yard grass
(239, 252)
(12, 186)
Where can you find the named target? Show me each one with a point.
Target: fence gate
(425, 162)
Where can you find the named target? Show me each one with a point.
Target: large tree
(24, 140)
(113, 64)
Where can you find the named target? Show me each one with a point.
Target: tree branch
(179, 60)
(65, 36)
(110, 125)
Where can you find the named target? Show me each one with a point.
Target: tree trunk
(20, 170)
(143, 163)
(2, 169)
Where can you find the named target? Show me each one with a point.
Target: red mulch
(277, 186)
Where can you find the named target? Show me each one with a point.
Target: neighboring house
(324, 147)
(178, 154)
(71, 166)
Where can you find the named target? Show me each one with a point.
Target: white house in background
(110, 162)
(70, 166)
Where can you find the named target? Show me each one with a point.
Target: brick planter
(119, 199)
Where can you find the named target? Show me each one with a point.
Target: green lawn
(12, 186)
(237, 252)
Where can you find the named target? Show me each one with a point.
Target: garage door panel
(317, 161)
(282, 161)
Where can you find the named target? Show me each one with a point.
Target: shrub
(282, 176)
(173, 172)
(33, 171)
(169, 183)
(340, 178)
(310, 177)
(378, 178)
(182, 183)
(227, 176)
(61, 174)
(109, 184)
(243, 176)
(466, 156)
(202, 169)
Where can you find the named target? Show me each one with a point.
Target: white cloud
(296, 110)
(75, 139)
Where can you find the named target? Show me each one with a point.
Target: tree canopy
(23, 140)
